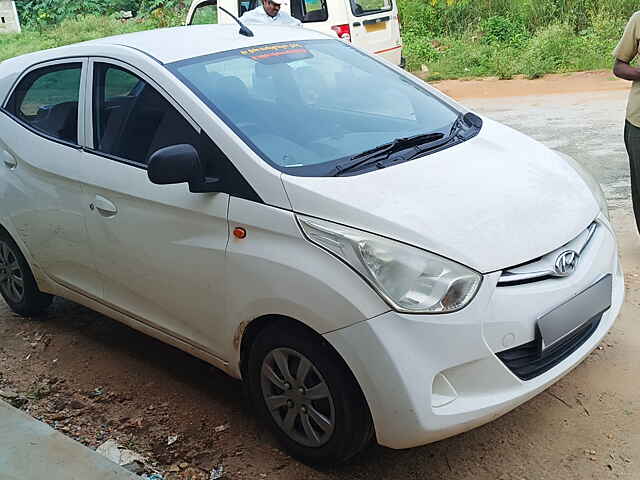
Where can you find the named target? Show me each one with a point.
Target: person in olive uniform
(625, 53)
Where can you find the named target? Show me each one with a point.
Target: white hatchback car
(367, 255)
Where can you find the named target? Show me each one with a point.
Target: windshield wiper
(382, 152)
(464, 127)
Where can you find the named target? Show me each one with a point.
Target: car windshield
(306, 106)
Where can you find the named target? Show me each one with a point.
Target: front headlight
(409, 279)
(591, 182)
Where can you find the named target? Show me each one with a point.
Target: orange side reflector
(239, 232)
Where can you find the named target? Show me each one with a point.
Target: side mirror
(180, 164)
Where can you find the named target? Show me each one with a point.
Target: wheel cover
(298, 397)
(11, 275)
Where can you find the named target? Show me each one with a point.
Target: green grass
(75, 30)
(552, 49)
(503, 38)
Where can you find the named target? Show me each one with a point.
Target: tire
(17, 284)
(328, 421)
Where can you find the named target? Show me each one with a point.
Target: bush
(554, 49)
(499, 30)
(41, 13)
(459, 58)
(462, 38)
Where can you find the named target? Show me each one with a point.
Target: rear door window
(309, 11)
(367, 7)
(46, 99)
(205, 14)
(246, 5)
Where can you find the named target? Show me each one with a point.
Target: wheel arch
(261, 324)
(251, 331)
(41, 280)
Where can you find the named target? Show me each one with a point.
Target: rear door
(44, 172)
(160, 249)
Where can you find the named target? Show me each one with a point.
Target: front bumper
(428, 377)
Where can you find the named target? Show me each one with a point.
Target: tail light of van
(343, 32)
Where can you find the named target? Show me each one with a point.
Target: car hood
(492, 202)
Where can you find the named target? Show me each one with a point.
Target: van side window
(47, 100)
(309, 11)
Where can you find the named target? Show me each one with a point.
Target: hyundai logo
(566, 263)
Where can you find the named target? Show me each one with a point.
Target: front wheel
(17, 285)
(306, 393)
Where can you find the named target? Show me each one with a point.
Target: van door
(375, 27)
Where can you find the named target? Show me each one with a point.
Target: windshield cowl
(404, 149)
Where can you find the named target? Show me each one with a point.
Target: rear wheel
(17, 285)
(308, 396)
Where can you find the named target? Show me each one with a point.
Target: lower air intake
(527, 362)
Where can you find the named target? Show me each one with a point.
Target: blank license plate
(374, 27)
(574, 313)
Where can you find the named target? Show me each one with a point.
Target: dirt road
(94, 379)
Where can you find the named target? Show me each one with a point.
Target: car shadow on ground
(156, 391)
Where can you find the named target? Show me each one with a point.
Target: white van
(372, 25)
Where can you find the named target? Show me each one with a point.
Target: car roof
(169, 45)
(164, 45)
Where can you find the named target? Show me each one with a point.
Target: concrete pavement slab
(31, 450)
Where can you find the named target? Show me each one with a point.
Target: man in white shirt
(269, 14)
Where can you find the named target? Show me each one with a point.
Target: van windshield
(306, 106)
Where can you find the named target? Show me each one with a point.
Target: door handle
(9, 160)
(104, 207)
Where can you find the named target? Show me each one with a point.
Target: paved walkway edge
(31, 450)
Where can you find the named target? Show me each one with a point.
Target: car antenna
(243, 28)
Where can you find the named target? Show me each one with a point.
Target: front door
(160, 249)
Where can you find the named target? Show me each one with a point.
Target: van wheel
(17, 285)
(306, 393)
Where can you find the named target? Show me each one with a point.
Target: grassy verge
(503, 38)
(553, 49)
(78, 29)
